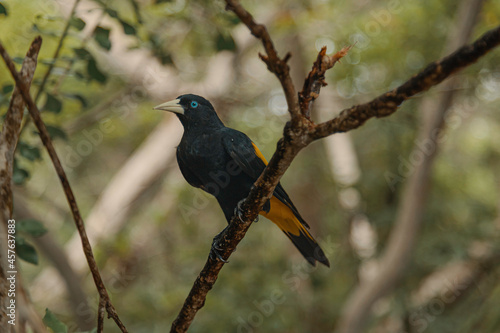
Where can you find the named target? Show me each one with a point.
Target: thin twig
(316, 78)
(57, 51)
(46, 76)
(299, 133)
(44, 135)
(274, 63)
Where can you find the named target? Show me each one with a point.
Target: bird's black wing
(249, 158)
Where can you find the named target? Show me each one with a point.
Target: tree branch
(54, 59)
(386, 104)
(44, 135)
(60, 44)
(316, 78)
(300, 131)
(8, 142)
(274, 63)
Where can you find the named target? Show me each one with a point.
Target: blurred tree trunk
(404, 236)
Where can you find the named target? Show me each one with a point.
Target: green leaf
(19, 175)
(128, 29)
(166, 59)
(77, 23)
(101, 36)
(47, 61)
(52, 104)
(28, 152)
(232, 20)
(80, 76)
(18, 60)
(51, 321)
(94, 72)
(111, 12)
(225, 42)
(56, 132)
(31, 226)
(82, 53)
(3, 10)
(26, 251)
(79, 98)
(7, 89)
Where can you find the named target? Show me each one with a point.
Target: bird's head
(193, 111)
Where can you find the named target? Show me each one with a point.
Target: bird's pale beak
(172, 106)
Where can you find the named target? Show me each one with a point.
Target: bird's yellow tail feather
(281, 215)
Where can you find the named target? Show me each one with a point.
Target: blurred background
(151, 232)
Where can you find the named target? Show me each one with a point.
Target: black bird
(226, 163)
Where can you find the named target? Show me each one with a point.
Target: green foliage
(101, 36)
(29, 152)
(82, 53)
(77, 23)
(3, 10)
(160, 245)
(7, 88)
(56, 132)
(26, 251)
(80, 98)
(51, 321)
(31, 227)
(52, 104)
(94, 72)
(224, 42)
(19, 175)
(128, 29)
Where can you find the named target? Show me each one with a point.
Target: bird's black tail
(311, 250)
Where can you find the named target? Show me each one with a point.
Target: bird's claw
(239, 212)
(214, 250)
(215, 255)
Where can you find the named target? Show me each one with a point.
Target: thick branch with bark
(104, 302)
(8, 142)
(301, 131)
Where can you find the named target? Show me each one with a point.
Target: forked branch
(301, 131)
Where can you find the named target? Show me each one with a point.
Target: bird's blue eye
(194, 104)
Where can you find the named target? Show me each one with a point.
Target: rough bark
(8, 142)
(104, 302)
